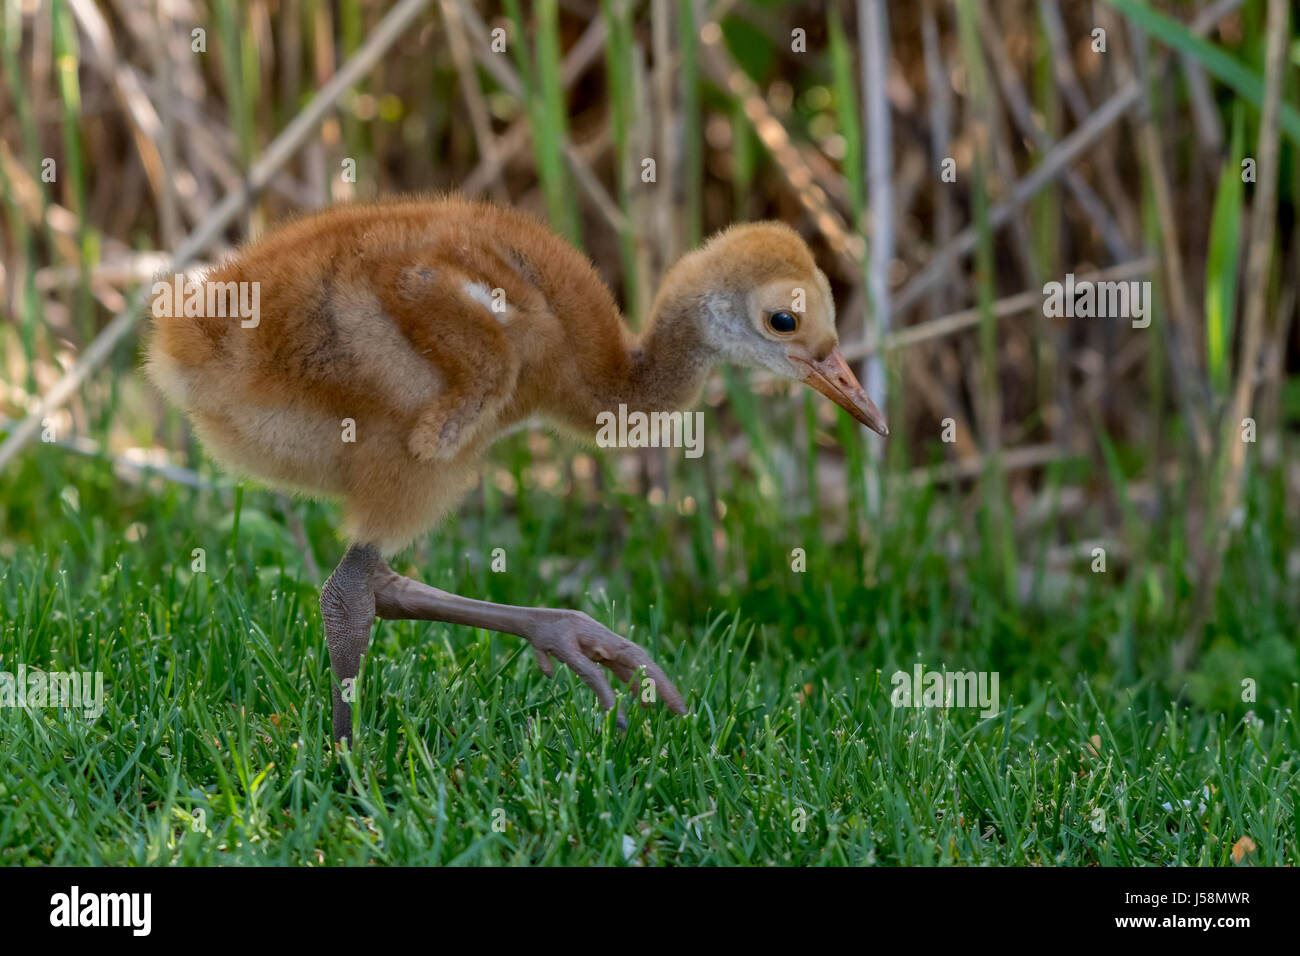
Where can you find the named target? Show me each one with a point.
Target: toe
(592, 676)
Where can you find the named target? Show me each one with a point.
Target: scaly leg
(347, 606)
(571, 636)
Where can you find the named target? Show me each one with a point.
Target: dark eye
(782, 322)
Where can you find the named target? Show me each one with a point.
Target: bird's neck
(668, 363)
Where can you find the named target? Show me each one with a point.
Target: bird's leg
(347, 606)
(573, 637)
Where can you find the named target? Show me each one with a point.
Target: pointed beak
(834, 379)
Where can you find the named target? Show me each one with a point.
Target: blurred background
(1059, 496)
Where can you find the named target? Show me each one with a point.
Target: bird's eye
(782, 322)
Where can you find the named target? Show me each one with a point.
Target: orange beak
(834, 379)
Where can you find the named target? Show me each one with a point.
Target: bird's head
(763, 303)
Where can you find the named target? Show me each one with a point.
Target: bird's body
(395, 341)
(383, 316)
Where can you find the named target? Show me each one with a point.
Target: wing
(454, 319)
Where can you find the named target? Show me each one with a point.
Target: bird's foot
(581, 643)
(572, 637)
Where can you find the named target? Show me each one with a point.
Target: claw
(581, 644)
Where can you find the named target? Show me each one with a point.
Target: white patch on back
(480, 293)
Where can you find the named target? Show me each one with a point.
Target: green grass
(217, 690)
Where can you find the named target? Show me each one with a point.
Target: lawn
(213, 745)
